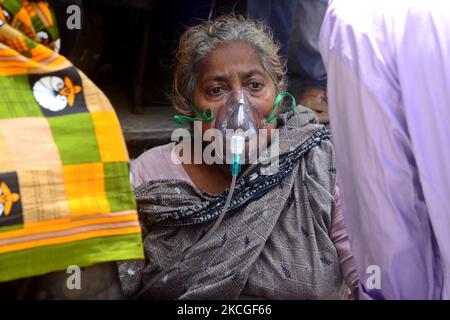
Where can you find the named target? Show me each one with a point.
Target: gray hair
(198, 41)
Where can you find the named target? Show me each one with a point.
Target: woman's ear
(281, 86)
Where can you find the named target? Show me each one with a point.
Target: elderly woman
(282, 236)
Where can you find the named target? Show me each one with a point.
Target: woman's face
(234, 66)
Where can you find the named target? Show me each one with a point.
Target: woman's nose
(234, 94)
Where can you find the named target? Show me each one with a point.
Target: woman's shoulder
(320, 165)
(156, 164)
(154, 153)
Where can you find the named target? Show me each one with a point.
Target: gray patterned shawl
(274, 243)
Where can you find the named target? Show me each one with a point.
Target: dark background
(127, 47)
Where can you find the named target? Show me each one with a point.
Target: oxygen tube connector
(237, 148)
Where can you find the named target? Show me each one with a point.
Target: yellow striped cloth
(65, 195)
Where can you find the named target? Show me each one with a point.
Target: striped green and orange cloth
(65, 194)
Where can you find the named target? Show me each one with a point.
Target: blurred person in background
(388, 67)
(295, 25)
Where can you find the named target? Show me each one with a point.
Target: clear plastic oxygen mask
(238, 116)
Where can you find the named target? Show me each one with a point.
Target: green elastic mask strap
(273, 116)
(204, 117)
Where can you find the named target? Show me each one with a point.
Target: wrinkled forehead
(233, 60)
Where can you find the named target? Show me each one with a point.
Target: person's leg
(305, 66)
(388, 89)
(311, 72)
(311, 13)
(278, 15)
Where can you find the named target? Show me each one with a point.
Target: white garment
(388, 65)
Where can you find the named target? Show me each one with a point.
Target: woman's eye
(216, 91)
(255, 86)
